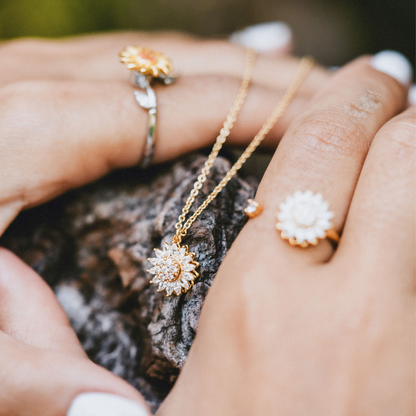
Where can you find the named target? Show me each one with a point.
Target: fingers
(381, 220)
(47, 382)
(323, 151)
(272, 38)
(41, 358)
(29, 310)
(65, 134)
(95, 58)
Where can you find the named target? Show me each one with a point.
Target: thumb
(42, 359)
(29, 310)
(42, 382)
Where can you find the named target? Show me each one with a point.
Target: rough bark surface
(92, 245)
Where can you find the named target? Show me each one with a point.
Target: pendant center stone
(171, 269)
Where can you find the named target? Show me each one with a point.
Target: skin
(280, 326)
(67, 117)
(292, 331)
(66, 121)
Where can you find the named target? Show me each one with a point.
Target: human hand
(43, 367)
(68, 115)
(292, 331)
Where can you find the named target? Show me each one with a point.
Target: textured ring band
(147, 66)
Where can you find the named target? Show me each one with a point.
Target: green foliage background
(333, 30)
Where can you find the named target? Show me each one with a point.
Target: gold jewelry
(179, 274)
(147, 62)
(147, 65)
(253, 209)
(304, 218)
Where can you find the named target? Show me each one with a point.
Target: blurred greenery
(332, 30)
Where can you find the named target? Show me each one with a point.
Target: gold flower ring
(147, 66)
(304, 218)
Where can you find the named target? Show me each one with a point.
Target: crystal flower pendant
(174, 269)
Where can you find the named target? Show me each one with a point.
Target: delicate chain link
(303, 70)
(222, 137)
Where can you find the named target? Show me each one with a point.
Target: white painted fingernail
(394, 64)
(103, 404)
(264, 37)
(412, 95)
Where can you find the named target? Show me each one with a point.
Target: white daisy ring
(174, 269)
(304, 218)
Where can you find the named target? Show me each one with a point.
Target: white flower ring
(304, 218)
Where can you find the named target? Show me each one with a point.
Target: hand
(42, 364)
(289, 331)
(68, 115)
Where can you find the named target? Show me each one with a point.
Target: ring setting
(147, 66)
(148, 63)
(253, 209)
(304, 218)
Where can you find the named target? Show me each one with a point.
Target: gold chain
(305, 66)
(222, 137)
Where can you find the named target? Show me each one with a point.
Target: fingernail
(103, 404)
(394, 64)
(264, 37)
(412, 95)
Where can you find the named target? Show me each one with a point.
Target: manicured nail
(394, 64)
(102, 404)
(412, 95)
(264, 37)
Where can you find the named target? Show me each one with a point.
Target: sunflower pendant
(174, 269)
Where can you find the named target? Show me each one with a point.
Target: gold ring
(304, 218)
(147, 62)
(147, 65)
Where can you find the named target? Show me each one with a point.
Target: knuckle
(364, 106)
(331, 133)
(385, 87)
(400, 133)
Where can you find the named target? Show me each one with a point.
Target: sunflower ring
(147, 66)
(304, 218)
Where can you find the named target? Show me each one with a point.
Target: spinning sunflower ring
(304, 218)
(147, 66)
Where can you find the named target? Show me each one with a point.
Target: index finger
(95, 58)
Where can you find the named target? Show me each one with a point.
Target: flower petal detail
(304, 217)
(188, 276)
(188, 267)
(177, 288)
(185, 284)
(186, 260)
(159, 253)
(154, 261)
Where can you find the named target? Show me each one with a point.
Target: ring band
(147, 66)
(148, 102)
(304, 218)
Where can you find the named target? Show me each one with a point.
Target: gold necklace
(174, 267)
